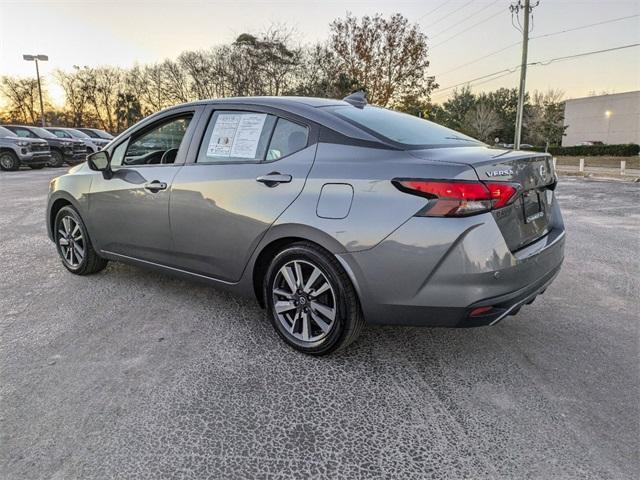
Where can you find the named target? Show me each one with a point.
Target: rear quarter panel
(377, 206)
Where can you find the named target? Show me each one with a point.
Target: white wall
(588, 119)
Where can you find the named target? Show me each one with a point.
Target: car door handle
(155, 186)
(274, 178)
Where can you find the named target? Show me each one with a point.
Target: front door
(129, 212)
(250, 166)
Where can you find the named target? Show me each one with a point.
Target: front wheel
(57, 160)
(74, 245)
(9, 161)
(311, 301)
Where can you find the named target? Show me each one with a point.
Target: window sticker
(236, 135)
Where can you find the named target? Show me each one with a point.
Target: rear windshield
(410, 131)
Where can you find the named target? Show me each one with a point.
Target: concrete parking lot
(135, 374)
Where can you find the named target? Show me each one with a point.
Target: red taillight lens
(458, 198)
(501, 193)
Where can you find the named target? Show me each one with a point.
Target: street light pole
(35, 58)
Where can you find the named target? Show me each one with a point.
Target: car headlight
(67, 144)
(22, 144)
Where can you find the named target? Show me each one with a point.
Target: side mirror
(101, 162)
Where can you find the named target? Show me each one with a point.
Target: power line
(541, 63)
(465, 19)
(450, 13)
(584, 26)
(431, 11)
(468, 28)
(551, 34)
(578, 55)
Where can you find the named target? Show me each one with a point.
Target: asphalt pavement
(135, 374)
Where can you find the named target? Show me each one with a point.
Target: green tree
(387, 56)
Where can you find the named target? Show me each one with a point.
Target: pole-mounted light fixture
(36, 59)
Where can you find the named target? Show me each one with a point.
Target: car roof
(306, 107)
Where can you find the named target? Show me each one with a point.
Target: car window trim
(312, 131)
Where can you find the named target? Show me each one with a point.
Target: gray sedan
(330, 213)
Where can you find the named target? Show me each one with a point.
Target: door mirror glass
(99, 161)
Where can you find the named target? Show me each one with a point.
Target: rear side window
(236, 136)
(287, 138)
(408, 130)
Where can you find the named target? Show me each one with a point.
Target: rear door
(246, 166)
(129, 212)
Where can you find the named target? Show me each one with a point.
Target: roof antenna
(357, 99)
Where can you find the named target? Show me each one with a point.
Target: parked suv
(99, 137)
(16, 151)
(72, 133)
(62, 150)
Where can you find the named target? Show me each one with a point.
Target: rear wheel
(9, 161)
(311, 301)
(57, 160)
(74, 245)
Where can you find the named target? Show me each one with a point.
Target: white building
(610, 119)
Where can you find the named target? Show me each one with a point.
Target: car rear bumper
(436, 271)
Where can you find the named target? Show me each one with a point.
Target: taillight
(458, 198)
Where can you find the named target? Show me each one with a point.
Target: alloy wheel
(304, 301)
(6, 161)
(71, 241)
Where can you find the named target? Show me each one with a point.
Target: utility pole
(35, 58)
(515, 9)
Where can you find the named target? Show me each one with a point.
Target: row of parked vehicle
(38, 147)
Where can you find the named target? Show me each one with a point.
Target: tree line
(385, 56)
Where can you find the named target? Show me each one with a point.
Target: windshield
(77, 133)
(408, 130)
(103, 134)
(5, 132)
(42, 133)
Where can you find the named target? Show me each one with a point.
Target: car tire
(311, 301)
(74, 245)
(57, 160)
(37, 166)
(9, 161)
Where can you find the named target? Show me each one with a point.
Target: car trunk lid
(525, 219)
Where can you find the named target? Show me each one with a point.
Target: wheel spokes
(323, 288)
(304, 301)
(328, 312)
(282, 307)
(312, 279)
(324, 326)
(289, 278)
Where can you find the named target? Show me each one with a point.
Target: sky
(118, 32)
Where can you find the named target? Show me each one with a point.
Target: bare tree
(482, 122)
(76, 90)
(22, 99)
(387, 56)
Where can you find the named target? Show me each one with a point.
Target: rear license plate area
(532, 206)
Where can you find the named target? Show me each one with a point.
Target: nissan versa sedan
(332, 214)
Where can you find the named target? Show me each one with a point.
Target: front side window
(287, 138)
(399, 127)
(159, 145)
(236, 136)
